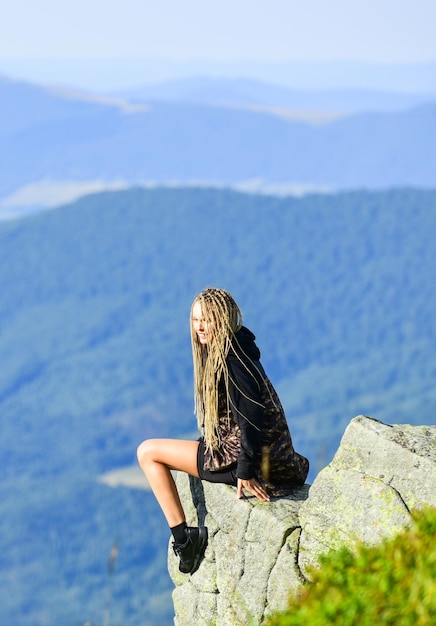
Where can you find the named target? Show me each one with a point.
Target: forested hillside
(95, 353)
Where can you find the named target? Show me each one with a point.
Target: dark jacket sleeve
(245, 404)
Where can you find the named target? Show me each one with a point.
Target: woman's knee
(145, 451)
(176, 454)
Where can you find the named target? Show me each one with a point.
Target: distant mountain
(110, 75)
(24, 105)
(250, 93)
(47, 136)
(95, 354)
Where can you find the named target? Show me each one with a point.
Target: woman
(245, 439)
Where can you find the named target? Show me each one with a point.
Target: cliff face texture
(260, 552)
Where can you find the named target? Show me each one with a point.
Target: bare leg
(156, 458)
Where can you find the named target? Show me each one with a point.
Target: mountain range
(106, 75)
(222, 133)
(245, 93)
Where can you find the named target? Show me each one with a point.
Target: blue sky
(110, 45)
(275, 30)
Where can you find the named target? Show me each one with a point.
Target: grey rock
(250, 545)
(377, 476)
(259, 553)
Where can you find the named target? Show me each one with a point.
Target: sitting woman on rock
(245, 439)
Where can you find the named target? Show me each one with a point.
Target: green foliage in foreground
(393, 583)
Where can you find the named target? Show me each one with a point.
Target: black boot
(191, 552)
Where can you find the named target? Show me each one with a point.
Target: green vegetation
(392, 584)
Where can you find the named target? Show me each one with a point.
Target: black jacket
(246, 376)
(266, 450)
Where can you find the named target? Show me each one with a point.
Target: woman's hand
(253, 486)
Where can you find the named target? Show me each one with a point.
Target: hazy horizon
(118, 74)
(109, 46)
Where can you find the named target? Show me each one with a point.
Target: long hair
(223, 319)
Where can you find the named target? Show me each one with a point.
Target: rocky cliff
(258, 552)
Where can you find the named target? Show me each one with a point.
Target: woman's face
(200, 326)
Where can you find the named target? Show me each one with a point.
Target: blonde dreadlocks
(222, 318)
